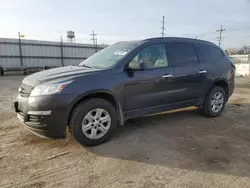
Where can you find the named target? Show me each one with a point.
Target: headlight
(48, 89)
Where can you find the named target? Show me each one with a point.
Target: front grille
(25, 90)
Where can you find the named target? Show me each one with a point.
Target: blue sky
(115, 20)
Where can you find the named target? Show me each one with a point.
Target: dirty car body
(46, 99)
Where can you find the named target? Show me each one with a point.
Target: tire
(82, 126)
(214, 93)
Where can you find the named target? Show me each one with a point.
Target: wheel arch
(221, 83)
(103, 94)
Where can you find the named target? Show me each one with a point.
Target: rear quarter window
(209, 54)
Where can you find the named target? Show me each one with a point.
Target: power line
(163, 29)
(220, 37)
(238, 29)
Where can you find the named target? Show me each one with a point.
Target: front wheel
(215, 102)
(93, 121)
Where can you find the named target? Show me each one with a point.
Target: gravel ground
(175, 149)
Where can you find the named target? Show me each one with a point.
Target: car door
(148, 80)
(212, 62)
(189, 76)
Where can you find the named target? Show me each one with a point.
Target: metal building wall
(43, 53)
(7, 50)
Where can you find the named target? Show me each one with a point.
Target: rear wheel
(215, 102)
(93, 121)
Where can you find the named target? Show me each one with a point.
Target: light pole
(20, 47)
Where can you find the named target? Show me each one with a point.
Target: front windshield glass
(109, 56)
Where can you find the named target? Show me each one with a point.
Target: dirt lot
(180, 149)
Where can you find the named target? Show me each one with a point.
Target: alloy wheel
(96, 123)
(217, 102)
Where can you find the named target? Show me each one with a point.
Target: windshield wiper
(89, 66)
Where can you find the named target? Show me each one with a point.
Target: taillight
(233, 65)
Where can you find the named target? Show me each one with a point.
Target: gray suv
(123, 81)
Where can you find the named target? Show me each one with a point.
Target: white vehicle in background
(242, 69)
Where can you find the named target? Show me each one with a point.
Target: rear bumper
(46, 116)
(231, 85)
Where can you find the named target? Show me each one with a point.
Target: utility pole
(96, 49)
(93, 34)
(94, 39)
(61, 47)
(20, 47)
(220, 37)
(163, 27)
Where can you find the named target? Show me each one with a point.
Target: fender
(101, 91)
(214, 83)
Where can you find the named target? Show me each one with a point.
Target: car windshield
(109, 56)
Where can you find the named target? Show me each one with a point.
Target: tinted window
(182, 54)
(150, 57)
(208, 53)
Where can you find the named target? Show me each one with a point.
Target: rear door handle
(202, 71)
(167, 76)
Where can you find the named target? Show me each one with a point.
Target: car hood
(57, 75)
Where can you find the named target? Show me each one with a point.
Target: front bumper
(46, 116)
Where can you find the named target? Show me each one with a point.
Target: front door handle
(167, 76)
(202, 71)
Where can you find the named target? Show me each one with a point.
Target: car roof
(171, 39)
(179, 39)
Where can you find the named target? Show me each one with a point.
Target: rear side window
(208, 53)
(182, 54)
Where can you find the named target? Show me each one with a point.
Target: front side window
(150, 57)
(208, 53)
(109, 56)
(182, 54)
